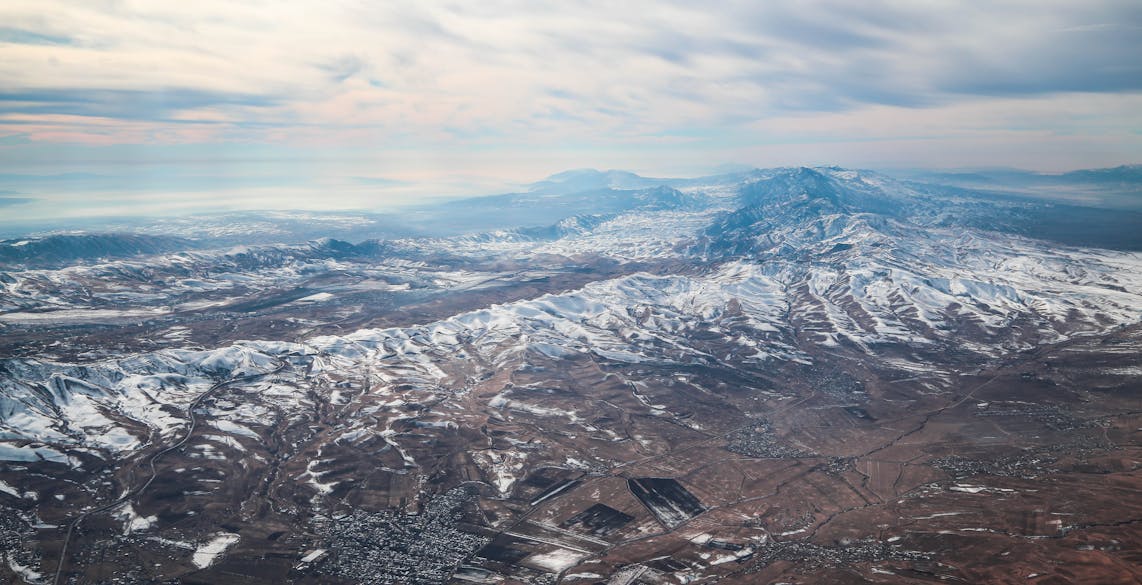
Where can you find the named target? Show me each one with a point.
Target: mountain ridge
(820, 365)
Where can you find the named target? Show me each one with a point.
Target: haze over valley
(544, 293)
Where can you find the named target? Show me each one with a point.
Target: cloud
(125, 104)
(6, 201)
(545, 75)
(17, 36)
(343, 67)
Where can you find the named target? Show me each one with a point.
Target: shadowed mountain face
(61, 250)
(798, 194)
(786, 375)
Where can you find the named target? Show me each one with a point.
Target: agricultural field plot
(795, 375)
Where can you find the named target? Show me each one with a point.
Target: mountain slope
(788, 374)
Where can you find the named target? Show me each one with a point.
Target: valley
(787, 375)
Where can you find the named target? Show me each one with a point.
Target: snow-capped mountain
(650, 312)
(806, 257)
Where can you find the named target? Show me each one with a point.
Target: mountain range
(774, 375)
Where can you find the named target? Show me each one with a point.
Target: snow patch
(557, 560)
(132, 521)
(312, 555)
(25, 572)
(208, 552)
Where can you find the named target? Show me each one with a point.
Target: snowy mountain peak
(580, 180)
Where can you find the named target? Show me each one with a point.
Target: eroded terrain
(770, 379)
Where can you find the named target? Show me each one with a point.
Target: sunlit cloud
(633, 84)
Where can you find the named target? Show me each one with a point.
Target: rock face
(789, 374)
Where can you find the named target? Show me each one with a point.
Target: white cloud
(542, 75)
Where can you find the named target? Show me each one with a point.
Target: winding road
(151, 464)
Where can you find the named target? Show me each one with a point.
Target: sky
(119, 107)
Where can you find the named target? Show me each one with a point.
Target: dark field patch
(599, 520)
(670, 503)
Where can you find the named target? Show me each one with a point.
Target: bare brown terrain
(815, 397)
(1026, 471)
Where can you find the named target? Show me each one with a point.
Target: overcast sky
(367, 97)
